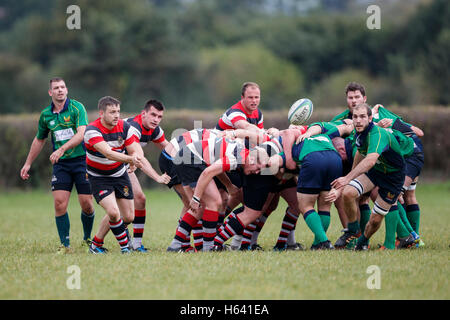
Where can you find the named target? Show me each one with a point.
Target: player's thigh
(182, 194)
(109, 204)
(357, 187)
(211, 198)
(126, 208)
(306, 201)
(139, 196)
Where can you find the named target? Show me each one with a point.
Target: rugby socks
(325, 220)
(138, 227)
(353, 227)
(413, 214)
(364, 209)
(259, 225)
(391, 221)
(232, 227)
(118, 229)
(210, 218)
(197, 234)
(183, 233)
(404, 218)
(288, 225)
(248, 233)
(87, 220)
(63, 226)
(97, 242)
(222, 216)
(314, 223)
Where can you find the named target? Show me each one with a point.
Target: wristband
(196, 199)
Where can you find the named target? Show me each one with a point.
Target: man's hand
(136, 160)
(164, 178)
(340, 183)
(333, 195)
(24, 171)
(54, 157)
(302, 137)
(194, 204)
(385, 123)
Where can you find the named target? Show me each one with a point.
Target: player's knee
(140, 199)
(60, 206)
(350, 193)
(87, 206)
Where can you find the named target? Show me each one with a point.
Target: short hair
(246, 85)
(364, 106)
(158, 105)
(55, 79)
(354, 86)
(104, 102)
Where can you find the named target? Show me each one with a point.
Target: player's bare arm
(35, 149)
(205, 178)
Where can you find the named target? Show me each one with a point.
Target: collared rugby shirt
(192, 136)
(236, 113)
(143, 134)
(117, 138)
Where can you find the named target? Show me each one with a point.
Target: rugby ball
(300, 111)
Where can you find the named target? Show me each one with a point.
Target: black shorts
(104, 186)
(414, 165)
(235, 178)
(189, 173)
(256, 189)
(166, 166)
(67, 172)
(283, 185)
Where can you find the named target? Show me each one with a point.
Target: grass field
(30, 268)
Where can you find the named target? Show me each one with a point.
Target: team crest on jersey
(67, 119)
(126, 191)
(120, 140)
(52, 123)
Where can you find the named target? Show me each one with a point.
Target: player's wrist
(196, 199)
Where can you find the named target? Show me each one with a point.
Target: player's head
(250, 96)
(152, 113)
(355, 94)
(362, 116)
(253, 162)
(57, 89)
(109, 110)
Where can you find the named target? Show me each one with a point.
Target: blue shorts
(67, 172)
(414, 165)
(389, 185)
(318, 170)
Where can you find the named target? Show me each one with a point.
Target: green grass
(30, 269)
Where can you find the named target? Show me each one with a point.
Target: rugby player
(378, 162)
(107, 139)
(145, 126)
(66, 120)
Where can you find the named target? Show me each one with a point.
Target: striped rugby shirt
(236, 113)
(143, 134)
(232, 153)
(117, 138)
(192, 136)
